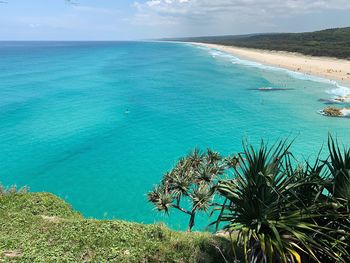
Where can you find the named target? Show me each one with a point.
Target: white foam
(345, 112)
(338, 90)
(340, 100)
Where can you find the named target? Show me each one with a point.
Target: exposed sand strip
(325, 67)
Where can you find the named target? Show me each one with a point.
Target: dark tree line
(329, 42)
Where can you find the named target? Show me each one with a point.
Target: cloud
(194, 15)
(206, 7)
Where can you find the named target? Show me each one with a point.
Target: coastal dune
(325, 67)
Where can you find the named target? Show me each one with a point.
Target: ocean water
(98, 123)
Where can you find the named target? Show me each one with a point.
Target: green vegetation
(278, 209)
(283, 212)
(190, 185)
(271, 209)
(39, 227)
(329, 42)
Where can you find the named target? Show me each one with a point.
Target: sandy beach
(325, 67)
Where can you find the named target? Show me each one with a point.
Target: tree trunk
(191, 223)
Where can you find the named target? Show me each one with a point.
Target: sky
(145, 19)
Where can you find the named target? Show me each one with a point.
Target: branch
(178, 200)
(181, 209)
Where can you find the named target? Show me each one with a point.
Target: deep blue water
(64, 127)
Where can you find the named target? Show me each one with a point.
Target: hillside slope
(39, 227)
(330, 42)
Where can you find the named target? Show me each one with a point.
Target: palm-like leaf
(232, 161)
(202, 197)
(161, 198)
(339, 166)
(179, 185)
(276, 220)
(195, 158)
(212, 157)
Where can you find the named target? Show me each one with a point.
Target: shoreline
(324, 67)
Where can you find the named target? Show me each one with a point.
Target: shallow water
(98, 123)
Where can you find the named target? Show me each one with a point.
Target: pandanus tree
(338, 186)
(280, 210)
(283, 213)
(339, 167)
(191, 185)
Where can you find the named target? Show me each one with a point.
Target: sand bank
(325, 67)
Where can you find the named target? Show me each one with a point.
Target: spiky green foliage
(339, 166)
(280, 211)
(338, 186)
(190, 186)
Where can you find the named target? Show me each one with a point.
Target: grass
(40, 227)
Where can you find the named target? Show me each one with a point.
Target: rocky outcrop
(336, 112)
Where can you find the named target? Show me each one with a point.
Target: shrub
(194, 179)
(282, 213)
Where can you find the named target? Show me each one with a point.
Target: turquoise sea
(98, 123)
